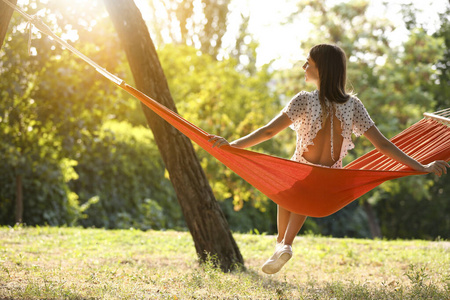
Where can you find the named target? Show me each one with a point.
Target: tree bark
(19, 200)
(375, 229)
(204, 218)
(5, 17)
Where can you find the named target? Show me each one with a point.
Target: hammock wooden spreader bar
(302, 188)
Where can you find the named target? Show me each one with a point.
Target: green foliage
(30, 148)
(351, 221)
(441, 89)
(422, 212)
(219, 99)
(121, 167)
(53, 122)
(249, 219)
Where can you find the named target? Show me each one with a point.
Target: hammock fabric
(313, 190)
(301, 188)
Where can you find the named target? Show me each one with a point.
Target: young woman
(324, 121)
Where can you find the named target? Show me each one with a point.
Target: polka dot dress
(305, 112)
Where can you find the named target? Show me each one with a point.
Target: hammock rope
(42, 27)
(301, 188)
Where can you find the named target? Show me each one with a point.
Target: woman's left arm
(260, 135)
(386, 147)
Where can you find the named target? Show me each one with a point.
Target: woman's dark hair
(332, 65)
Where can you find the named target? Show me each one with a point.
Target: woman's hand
(218, 141)
(386, 147)
(437, 167)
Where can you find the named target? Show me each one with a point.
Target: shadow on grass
(280, 287)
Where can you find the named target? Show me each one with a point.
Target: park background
(80, 151)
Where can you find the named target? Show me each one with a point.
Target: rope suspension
(42, 27)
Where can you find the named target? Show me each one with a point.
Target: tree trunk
(375, 229)
(19, 200)
(202, 213)
(5, 17)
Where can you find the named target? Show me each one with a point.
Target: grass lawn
(76, 263)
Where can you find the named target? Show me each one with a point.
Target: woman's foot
(279, 245)
(282, 254)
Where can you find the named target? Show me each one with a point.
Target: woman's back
(313, 126)
(327, 145)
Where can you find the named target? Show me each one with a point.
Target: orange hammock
(313, 190)
(301, 188)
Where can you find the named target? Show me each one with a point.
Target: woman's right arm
(260, 135)
(386, 147)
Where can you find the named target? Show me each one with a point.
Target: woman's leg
(294, 225)
(283, 217)
(289, 224)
